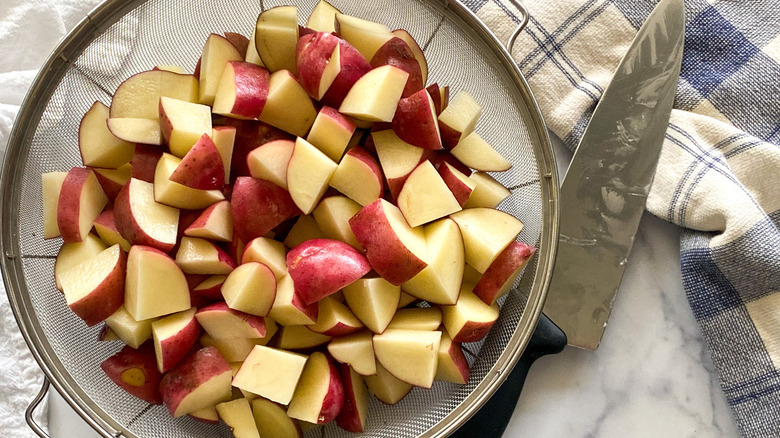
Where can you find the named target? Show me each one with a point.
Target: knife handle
(491, 420)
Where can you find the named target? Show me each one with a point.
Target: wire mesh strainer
(120, 38)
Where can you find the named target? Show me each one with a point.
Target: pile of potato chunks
(299, 222)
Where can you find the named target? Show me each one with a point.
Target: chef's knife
(602, 200)
(604, 192)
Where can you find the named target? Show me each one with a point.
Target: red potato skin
(353, 67)
(142, 359)
(186, 219)
(198, 218)
(258, 206)
(311, 57)
(235, 247)
(331, 192)
(340, 329)
(197, 301)
(210, 294)
(460, 190)
(334, 398)
(202, 218)
(251, 89)
(415, 123)
(106, 299)
(349, 417)
(227, 191)
(449, 136)
(175, 348)
(240, 42)
(442, 157)
(370, 161)
(203, 420)
(256, 322)
(311, 310)
(433, 90)
(397, 53)
(187, 375)
(110, 187)
(416, 50)
(107, 220)
(380, 126)
(445, 96)
(166, 125)
(341, 119)
(391, 260)
(144, 162)
(515, 256)
(440, 96)
(128, 227)
(194, 280)
(321, 267)
(459, 359)
(303, 30)
(202, 167)
(249, 135)
(70, 201)
(368, 143)
(396, 184)
(223, 256)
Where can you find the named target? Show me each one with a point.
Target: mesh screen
(173, 32)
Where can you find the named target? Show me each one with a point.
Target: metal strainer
(120, 38)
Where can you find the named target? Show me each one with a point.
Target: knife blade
(605, 189)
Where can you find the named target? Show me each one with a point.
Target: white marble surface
(651, 376)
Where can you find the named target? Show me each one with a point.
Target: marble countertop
(651, 376)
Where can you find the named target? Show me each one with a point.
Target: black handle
(491, 420)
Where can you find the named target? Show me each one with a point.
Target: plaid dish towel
(719, 169)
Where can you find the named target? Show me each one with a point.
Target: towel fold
(719, 168)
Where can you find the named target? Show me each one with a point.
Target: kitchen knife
(602, 200)
(604, 192)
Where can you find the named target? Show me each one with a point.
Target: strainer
(120, 38)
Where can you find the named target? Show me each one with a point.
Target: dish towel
(719, 171)
(29, 31)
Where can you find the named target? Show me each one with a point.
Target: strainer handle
(491, 420)
(523, 22)
(28, 414)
